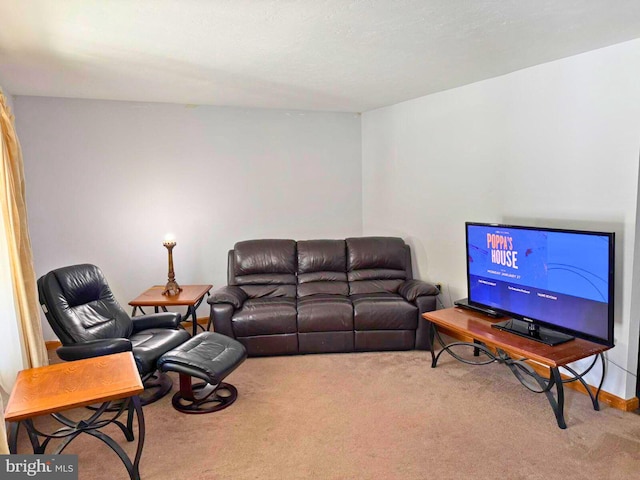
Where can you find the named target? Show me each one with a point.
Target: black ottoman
(211, 357)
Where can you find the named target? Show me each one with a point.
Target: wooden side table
(191, 297)
(63, 386)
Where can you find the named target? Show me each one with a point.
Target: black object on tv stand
(532, 331)
(464, 303)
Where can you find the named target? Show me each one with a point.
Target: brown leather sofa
(314, 296)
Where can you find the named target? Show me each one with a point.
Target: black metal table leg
(14, 427)
(194, 319)
(137, 406)
(522, 371)
(557, 404)
(91, 426)
(192, 311)
(135, 309)
(596, 405)
(580, 377)
(476, 351)
(477, 347)
(431, 332)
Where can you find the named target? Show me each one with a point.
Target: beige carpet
(377, 416)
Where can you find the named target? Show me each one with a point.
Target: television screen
(562, 279)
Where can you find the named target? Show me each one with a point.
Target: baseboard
(613, 401)
(605, 397)
(204, 321)
(52, 344)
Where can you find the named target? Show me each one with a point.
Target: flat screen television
(553, 284)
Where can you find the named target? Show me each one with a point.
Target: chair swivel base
(156, 386)
(203, 397)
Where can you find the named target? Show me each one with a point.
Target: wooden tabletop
(479, 327)
(62, 386)
(189, 296)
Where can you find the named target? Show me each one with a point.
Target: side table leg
(557, 405)
(135, 309)
(210, 318)
(192, 311)
(596, 405)
(476, 350)
(133, 468)
(431, 329)
(38, 448)
(14, 427)
(141, 432)
(130, 412)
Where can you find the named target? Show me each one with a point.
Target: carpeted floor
(376, 416)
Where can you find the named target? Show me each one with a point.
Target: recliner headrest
(81, 284)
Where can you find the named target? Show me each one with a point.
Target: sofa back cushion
(377, 264)
(322, 267)
(264, 268)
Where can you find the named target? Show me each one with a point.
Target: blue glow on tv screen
(562, 279)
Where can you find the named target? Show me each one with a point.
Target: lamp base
(171, 288)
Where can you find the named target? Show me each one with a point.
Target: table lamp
(172, 287)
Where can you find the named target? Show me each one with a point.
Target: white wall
(9, 98)
(106, 180)
(554, 145)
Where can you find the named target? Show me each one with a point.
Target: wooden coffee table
(63, 386)
(191, 297)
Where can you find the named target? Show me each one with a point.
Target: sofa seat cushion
(326, 342)
(263, 345)
(325, 313)
(265, 316)
(383, 311)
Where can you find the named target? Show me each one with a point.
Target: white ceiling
(337, 55)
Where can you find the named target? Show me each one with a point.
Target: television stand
(533, 331)
(495, 345)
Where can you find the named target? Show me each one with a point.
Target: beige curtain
(17, 232)
(15, 229)
(4, 447)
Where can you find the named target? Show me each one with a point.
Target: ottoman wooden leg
(203, 397)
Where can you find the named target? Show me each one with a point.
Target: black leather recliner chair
(89, 322)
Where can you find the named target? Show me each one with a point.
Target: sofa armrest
(220, 318)
(156, 320)
(94, 348)
(425, 304)
(229, 294)
(412, 289)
